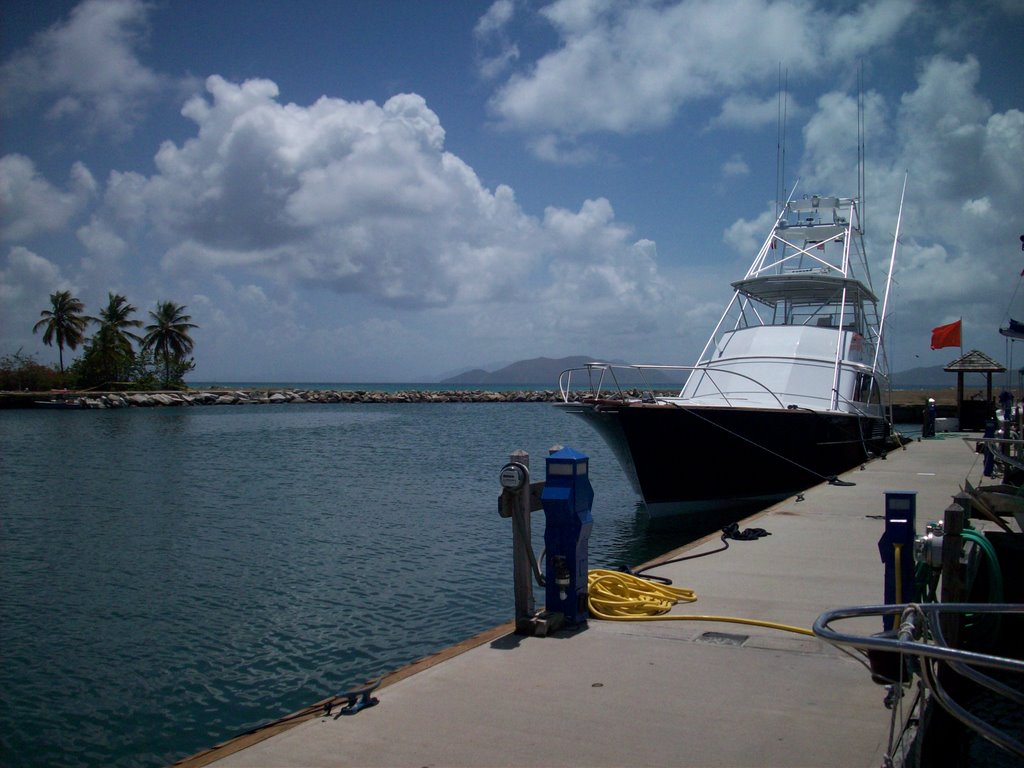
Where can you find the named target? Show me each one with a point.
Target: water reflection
(642, 538)
(237, 563)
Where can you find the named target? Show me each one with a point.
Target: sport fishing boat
(787, 393)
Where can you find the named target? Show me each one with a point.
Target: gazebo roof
(974, 362)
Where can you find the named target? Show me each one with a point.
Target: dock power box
(567, 500)
(897, 549)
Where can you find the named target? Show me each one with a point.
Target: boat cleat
(356, 699)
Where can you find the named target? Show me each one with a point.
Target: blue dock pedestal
(897, 549)
(567, 500)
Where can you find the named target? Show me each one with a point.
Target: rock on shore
(907, 404)
(293, 396)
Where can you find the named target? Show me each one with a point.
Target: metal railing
(603, 382)
(1007, 451)
(920, 636)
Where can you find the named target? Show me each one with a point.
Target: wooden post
(944, 732)
(954, 586)
(960, 398)
(522, 575)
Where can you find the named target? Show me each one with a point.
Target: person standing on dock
(928, 430)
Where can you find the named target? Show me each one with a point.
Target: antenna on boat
(892, 263)
(780, 141)
(860, 146)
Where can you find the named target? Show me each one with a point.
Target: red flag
(946, 335)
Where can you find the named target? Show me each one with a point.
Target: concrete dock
(672, 693)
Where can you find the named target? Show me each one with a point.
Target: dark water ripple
(172, 577)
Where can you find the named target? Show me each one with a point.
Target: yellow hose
(898, 568)
(618, 596)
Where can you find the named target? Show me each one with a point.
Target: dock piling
(515, 502)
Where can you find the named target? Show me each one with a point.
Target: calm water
(170, 577)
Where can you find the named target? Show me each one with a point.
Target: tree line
(115, 356)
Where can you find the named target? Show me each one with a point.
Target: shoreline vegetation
(944, 398)
(115, 353)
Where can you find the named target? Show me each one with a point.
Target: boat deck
(673, 693)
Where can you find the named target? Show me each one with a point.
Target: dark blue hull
(692, 458)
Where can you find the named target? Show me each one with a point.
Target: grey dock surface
(664, 693)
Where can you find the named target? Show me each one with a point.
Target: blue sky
(374, 191)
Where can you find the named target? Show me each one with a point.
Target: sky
(390, 190)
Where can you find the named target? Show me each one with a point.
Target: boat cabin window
(818, 309)
(819, 315)
(866, 390)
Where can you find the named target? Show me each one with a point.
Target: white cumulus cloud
(627, 67)
(29, 204)
(85, 69)
(26, 282)
(353, 197)
(495, 51)
(965, 169)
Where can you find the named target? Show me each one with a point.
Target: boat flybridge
(802, 328)
(787, 392)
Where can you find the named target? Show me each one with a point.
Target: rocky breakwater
(299, 396)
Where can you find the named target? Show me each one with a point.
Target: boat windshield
(807, 298)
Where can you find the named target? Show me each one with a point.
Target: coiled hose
(986, 625)
(995, 573)
(619, 596)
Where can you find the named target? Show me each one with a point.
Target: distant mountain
(932, 377)
(455, 372)
(928, 376)
(539, 370)
(925, 377)
(545, 371)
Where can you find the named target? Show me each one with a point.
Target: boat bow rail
(603, 383)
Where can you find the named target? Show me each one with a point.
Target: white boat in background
(788, 391)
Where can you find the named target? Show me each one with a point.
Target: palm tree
(113, 340)
(168, 334)
(64, 322)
